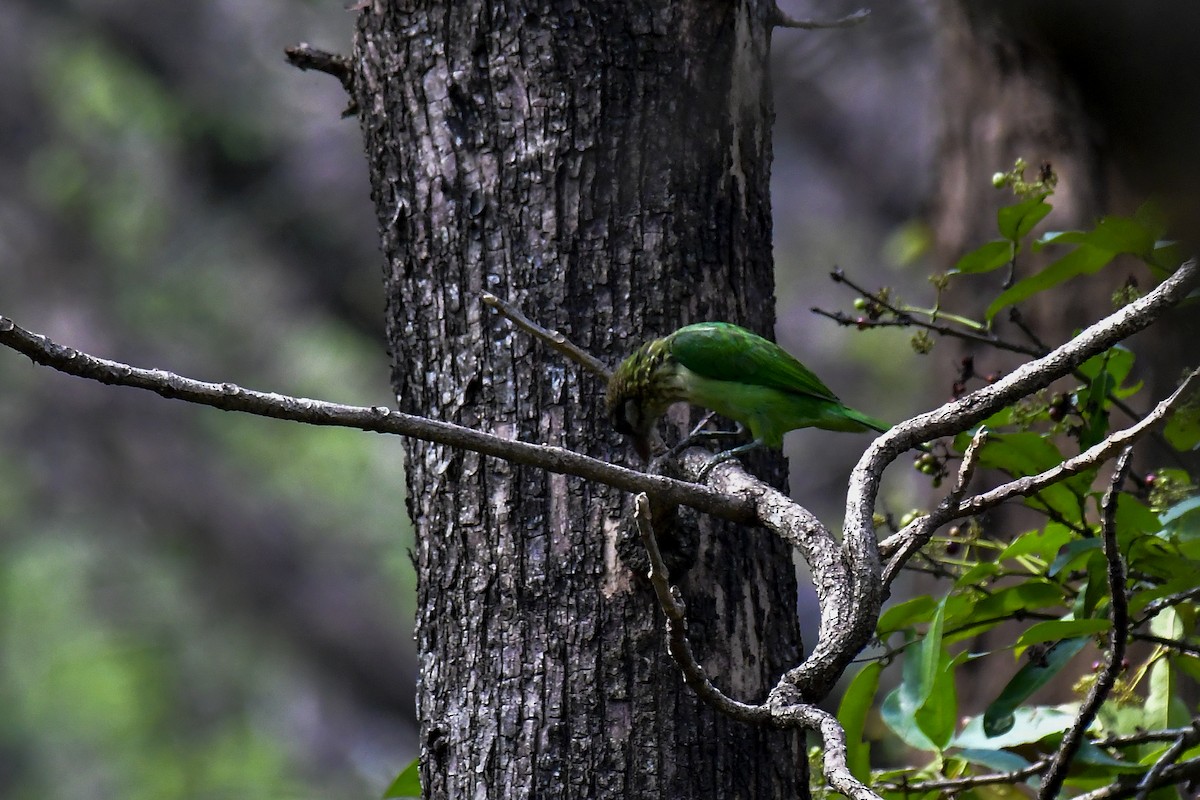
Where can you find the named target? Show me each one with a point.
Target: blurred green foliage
(194, 604)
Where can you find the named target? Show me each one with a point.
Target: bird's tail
(866, 421)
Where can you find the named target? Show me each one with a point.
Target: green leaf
(856, 705)
(1140, 599)
(995, 760)
(977, 574)
(407, 783)
(902, 615)
(1123, 235)
(1016, 221)
(1057, 629)
(1096, 588)
(902, 722)
(1019, 454)
(1188, 664)
(1001, 605)
(993, 255)
(1135, 519)
(1183, 427)
(1043, 543)
(1000, 716)
(1177, 515)
(1059, 237)
(1028, 725)
(1073, 551)
(1084, 260)
(938, 716)
(928, 654)
(1117, 361)
(1114, 234)
(1166, 257)
(1164, 708)
(922, 709)
(1089, 753)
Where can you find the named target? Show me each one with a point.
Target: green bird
(729, 370)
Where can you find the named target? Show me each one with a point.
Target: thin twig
(949, 505)
(904, 317)
(918, 532)
(1171, 644)
(781, 20)
(1142, 737)
(1118, 614)
(677, 641)
(906, 320)
(304, 56)
(1152, 608)
(970, 781)
(1126, 786)
(1169, 757)
(380, 419)
(553, 339)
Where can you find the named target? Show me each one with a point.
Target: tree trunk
(604, 166)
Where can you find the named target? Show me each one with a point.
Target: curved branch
(678, 644)
(833, 736)
(860, 547)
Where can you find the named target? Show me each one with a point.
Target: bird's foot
(699, 435)
(727, 455)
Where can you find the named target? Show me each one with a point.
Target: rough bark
(604, 166)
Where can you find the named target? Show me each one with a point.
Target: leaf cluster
(1044, 594)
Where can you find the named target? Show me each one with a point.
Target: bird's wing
(726, 352)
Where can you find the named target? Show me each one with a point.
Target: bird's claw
(698, 435)
(726, 455)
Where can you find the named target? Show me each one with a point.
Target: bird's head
(639, 391)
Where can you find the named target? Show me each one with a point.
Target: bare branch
(380, 419)
(304, 56)
(972, 781)
(833, 736)
(1175, 774)
(677, 642)
(920, 530)
(1150, 780)
(1118, 613)
(1097, 454)
(781, 20)
(1164, 735)
(900, 546)
(554, 339)
(1153, 607)
(1170, 644)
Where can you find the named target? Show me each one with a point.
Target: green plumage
(730, 370)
